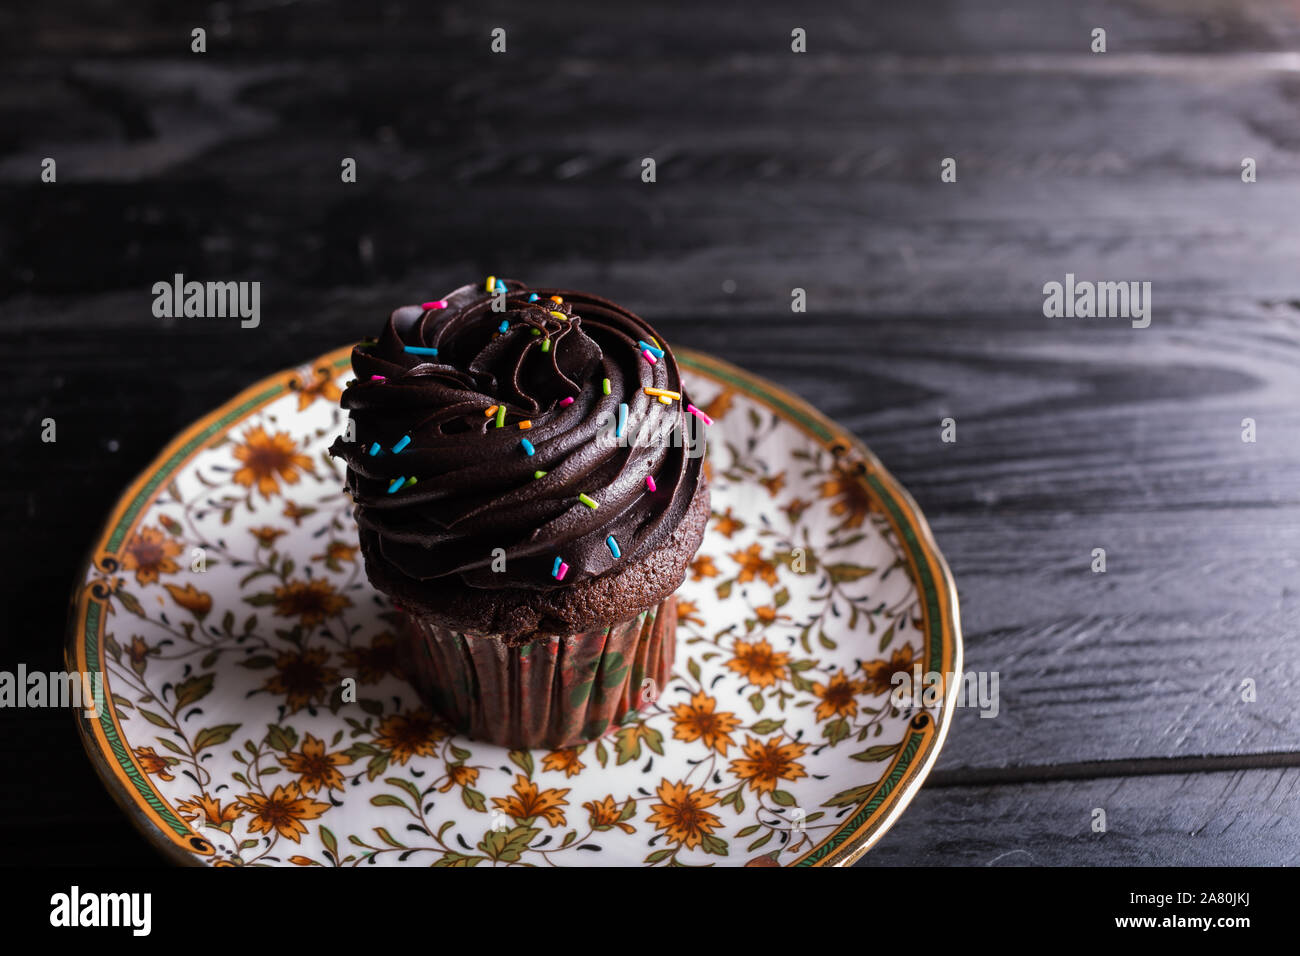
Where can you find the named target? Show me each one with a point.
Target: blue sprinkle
(613, 546)
(532, 297)
(396, 484)
(622, 419)
(406, 440)
(419, 350)
(504, 326)
(374, 449)
(646, 346)
(528, 446)
(556, 569)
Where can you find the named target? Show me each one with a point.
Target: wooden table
(774, 170)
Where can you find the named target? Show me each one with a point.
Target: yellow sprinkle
(489, 411)
(665, 400)
(561, 316)
(662, 392)
(491, 283)
(525, 425)
(651, 339)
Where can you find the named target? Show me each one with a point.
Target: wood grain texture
(775, 171)
(1204, 819)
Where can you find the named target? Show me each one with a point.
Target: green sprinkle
(501, 416)
(588, 502)
(546, 345)
(539, 474)
(605, 386)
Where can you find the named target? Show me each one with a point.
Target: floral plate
(227, 609)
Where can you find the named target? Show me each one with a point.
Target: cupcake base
(557, 691)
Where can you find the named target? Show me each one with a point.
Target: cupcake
(527, 472)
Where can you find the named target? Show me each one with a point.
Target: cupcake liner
(557, 691)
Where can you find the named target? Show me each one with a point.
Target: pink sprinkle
(378, 378)
(566, 401)
(699, 414)
(564, 569)
(650, 483)
(440, 304)
(649, 358)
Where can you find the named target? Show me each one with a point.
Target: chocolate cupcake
(529, 485)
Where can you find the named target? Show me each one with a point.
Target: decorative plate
(226, 606)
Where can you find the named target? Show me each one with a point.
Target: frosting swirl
(488, 443)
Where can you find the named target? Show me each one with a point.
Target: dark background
(775, 170)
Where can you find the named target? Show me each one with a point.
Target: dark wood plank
(1210, 819)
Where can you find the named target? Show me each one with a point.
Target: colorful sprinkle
(374, 449)
(622, 419)
(564, 569)
(653, 341)
(658, 353)
(662, 392)
(612, 543)
(650, 483)
(525, 425)
(649, 358)
(419, 350)
(665, 400)
(504, 326)
(560, 315)
(501, 416)
(546, 345)
(699, 414)
(556, 299)
(491, 284)
(489, 411)
(396, 484)
(539, 474)
(565, 402)
(528, 447)
(532, 297)
(406, 440)
(411, 481)
(588, 501)
(378, 378)
(440, 304)
(604, 386)
(537, 331)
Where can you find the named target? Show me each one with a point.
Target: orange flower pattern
(282, 812)
(753, 745)
(268, 460)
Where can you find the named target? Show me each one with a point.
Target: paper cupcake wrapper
(556, 692)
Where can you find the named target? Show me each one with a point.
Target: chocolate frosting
(475, 489)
